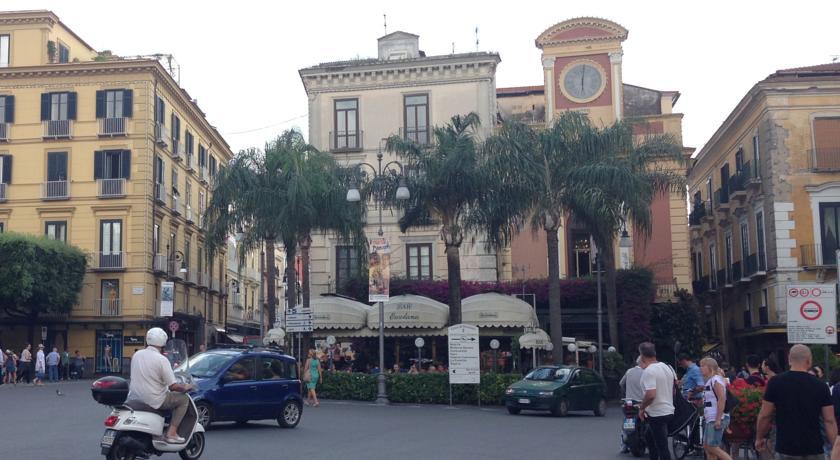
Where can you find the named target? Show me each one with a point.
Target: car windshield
(547, 373)
(205, 365)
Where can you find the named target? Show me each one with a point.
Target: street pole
(600, 318)
(381, 394)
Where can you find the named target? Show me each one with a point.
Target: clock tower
(582, 68)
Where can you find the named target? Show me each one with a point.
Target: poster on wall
(167, 298)
(379, 270)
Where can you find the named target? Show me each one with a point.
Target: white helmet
(156, 337)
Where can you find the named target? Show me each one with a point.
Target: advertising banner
(167, 298)
(379, 270)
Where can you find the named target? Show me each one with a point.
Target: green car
(558, 389)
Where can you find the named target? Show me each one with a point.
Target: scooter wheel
(194, 448)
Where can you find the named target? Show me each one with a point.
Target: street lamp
(600, 313)
(402, 194)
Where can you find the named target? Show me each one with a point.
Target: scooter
(136, 430)
(633, 429)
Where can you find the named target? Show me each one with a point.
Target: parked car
(246, 383)
(558, 389)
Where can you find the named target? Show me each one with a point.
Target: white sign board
(811, 313)
(167, 298)
(298, 320)
(464, 364)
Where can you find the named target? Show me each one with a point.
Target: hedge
(428, 388)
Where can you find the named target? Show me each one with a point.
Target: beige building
(765, 194)
(354, 105)
(111, 155)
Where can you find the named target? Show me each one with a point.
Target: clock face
(583, 81)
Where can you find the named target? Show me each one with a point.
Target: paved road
(38, 424)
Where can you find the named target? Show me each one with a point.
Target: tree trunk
(555, 317)
(608, 261)
(453, 267)
(291, 276)
(271, 281)
(305, 245)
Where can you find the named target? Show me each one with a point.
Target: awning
(236, 338)
(366, 332)
(538, 339)
(710, 346)
(333, 312)
(274, 335)
(410, 311)
(497, 310)
(220, 329)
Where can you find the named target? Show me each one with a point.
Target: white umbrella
(274, 335)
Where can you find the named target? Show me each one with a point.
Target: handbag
(307, 374)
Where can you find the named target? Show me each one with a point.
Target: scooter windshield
(176, 352)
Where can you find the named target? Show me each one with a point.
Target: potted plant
(51, 51)
(745, 414)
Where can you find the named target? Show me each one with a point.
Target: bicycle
(689, 439)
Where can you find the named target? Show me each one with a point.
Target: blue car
(242, 384)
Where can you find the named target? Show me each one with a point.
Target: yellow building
(766, 199)
(111, 155)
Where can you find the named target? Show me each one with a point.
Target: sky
(240, 60)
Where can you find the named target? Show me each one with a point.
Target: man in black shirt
(798, 400)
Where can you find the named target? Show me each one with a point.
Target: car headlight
(546, 393)
(509, 391)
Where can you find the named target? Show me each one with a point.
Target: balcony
(161, 135)
(2, 192)
(188, 214)
(421, 137)
(347, 141)
(110, 188)
(722, 199)
(817, 255)
(697, 213)
(161, 264)
(58, 129)
(753, 179)
(110, 261)
(666, 291)
(722, 278)
(188, 162)
(108, 307)
(754, 266)
(736, 273)
(700, 286)
(763, 316)
(747, 319)
(160, 193)
(736, 185)
(112, 127)
(236, 299)
(191, 277)
(203, 279)
(177, 150)
(55, 190)
(4, 132)
(824, 159)
(203, 175)
(176, 205)
(214, 285)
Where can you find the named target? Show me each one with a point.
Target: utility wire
(267, 126)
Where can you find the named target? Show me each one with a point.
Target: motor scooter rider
(154, 383)
(631, 387)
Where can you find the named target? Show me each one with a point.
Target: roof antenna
(476, 39)
(453, 47)
(385, 21)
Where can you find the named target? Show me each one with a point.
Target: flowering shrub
(745, 414)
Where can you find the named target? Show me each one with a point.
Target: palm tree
(446, 182)
(283, 194)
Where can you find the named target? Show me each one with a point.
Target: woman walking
(25, 364)
(312, 375)
(40, 366)
(11, 368)
(714, 400)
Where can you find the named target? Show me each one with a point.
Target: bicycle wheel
(680, 444)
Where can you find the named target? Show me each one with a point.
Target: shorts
(713, 437)
(39, 375)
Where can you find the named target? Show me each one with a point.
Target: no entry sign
(812, 313)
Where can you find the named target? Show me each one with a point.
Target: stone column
(615, 64)
(548, 72)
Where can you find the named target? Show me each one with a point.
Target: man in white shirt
(153, 382)
(657, 408)
(631, 382)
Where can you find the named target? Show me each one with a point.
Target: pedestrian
(770, 368)
(692, 381)
(835, 393)
(65, 365)
(714, 402)
(413, 370)
(800, 402)
(754, 369)
(396, 369)
(53, 359)
(78, 364)
(25, 364)
(631, 382)
(312, 376)
(11, 368)
(817, 372)
(40, 366)
(657, 408)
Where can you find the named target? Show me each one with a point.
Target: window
(112, 164)
(56, 230)
(110, 237)
(244, 369)
(58, 106)
(175, 192)
(416, 118)
(759, 241)
(829, 225)
(713, 265)
(697, 259)
(7, 109)
(756, 156)
(159, 177)
(419, 257)
(5, 169)
(739, 160)
(160, 110)
(188, 193)
(346, 265)
(212, 167)
(728, 256)
(56, 166)
(347, 124)
(2, 227)
(110, 295)
(276, 369)
(188, 142)
(745, 242)
(709, 191)
(827, 143)
(114, 103)
(4, 51)
(724, 183)
(187, 250)
(202, 156)
(63, 54)
(175, 127)
(156, 239)
(581, 247)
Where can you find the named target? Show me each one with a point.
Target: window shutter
(10, 109)
(128, 103)
(7, 169)
(71, 106)
(98, 164)
(100, 104)
(45, 106)
(126, 164)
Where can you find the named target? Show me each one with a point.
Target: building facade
(355, 105)
(765, 194)
(110, 155)
(582, 61)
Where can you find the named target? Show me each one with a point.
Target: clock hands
(582, 74)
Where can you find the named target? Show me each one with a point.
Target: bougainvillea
(745, 414)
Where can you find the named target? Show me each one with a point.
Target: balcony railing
(666, 291)
(751, 265)
(236, 299)
(177, 151)
(824, 159)
(113, 260)
(2, 192)
(214, 284)
(737, 183)
(161, 134)
(58, 129)
(160, 193)
(112, 126)
(188, 214)
(722, 278)
(110, 188)
(55, 190)
(175, 205)
(753, 175)
(747, 319)
(736, 272)
(697, 213)
(161, 263)
(763, 316)
(4, 132)
(191, 277)
(817, 255)
(203, 279)
(203, 175)
(108, 307)
(419, 136)
(188, 161)
(347, 141)
(721, 198)
(700, 286)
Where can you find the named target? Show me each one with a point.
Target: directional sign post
(464, 364)
(299, 320)
(812, 313)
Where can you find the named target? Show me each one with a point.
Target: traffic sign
(812, 313)
(463, 354)
(298, 320)
(419, 342)
(174, 326)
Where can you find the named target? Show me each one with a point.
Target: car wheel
(601, 409)
(561, 409)
(195, 448)
(205, 414)
(513, 410)
(290, 415)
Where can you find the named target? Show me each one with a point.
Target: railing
(112, 260)
(108, 307)
(4, 132)
(192, 276)
(752, 172)
(722, 277)
(736, 272)
(737, 182)
(112, 126)
(2, 192)
(161, 135)
(176, 209)
(203, 279)
(347, 141)
(161, 263)
(747, 319)
(762, 260)
(817, 255)
(214, 284)
(110, 188)
(58, 129)
(721, 198)
(418, 136)
(751, 265)
(56, 190)
(666, 291)
(252, 273)
(177, 151)
(697, 213)
(763, 316)
(203, 176)
(188, 163)
(700, 286)
(188, 214)
(824, 159)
